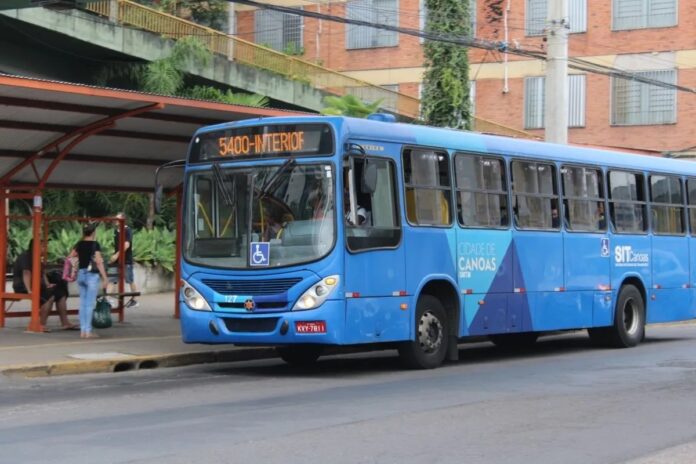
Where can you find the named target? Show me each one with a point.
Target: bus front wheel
(299, 355)
(429, 348)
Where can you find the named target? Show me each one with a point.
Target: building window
(627, 203)
(641, 14)
(667, 205)
(374, 11)
(536, 17)
(637, 103)
(583, 198)
(426, 178)
(279, 31)
(481, 191)
(535, 195)
(534, 101)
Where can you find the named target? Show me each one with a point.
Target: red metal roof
(145, 131)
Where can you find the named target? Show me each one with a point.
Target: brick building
(652, 37)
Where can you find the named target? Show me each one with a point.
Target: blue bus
(308, 232)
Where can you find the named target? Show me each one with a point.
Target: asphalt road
(563, 402)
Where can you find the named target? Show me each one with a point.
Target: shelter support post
(3, 254)
(36, 274)
(177, 260)
(122, 264)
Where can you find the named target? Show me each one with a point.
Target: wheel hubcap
(631, 318)
(429, 332)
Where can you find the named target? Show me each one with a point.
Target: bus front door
(375, 275)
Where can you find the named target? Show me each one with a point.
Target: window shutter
(535, 21)
(534, 103)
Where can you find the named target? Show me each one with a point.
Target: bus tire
(429, 348)
(514, 340)
(629, 319)
(299, 355)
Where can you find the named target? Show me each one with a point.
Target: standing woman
(91, 266)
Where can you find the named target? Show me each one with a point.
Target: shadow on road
(373, 361)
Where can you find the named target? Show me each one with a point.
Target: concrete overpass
(72, 45)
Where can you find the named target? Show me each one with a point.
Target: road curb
(137, 362)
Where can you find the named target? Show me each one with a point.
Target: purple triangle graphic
(496, 314)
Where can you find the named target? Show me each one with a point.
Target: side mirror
(158, 187)
(369, 177)
(158, 198)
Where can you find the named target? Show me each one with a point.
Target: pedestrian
(128, 251)
(91, 266)
(51, 292)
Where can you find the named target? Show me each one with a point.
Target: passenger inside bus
(362, 215)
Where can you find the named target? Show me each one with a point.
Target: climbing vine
(445, 97)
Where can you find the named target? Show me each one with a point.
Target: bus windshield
(289, 206)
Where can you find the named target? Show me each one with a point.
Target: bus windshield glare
(289, 206)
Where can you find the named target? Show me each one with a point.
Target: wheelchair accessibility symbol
(605, 247)
(259, 253)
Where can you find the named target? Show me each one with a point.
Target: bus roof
(453, 139)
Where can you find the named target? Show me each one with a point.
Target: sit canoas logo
(625, 256)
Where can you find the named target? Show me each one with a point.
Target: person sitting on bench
(50, 292)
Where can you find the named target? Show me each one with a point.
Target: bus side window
(481, 190)
(377, 221)
(667, 200)
(535, 195)
(583, 198)
(627, 202)
(426, 178)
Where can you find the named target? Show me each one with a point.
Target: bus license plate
(310, 327)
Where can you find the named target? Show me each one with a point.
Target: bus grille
(251, 287)
(260, 324)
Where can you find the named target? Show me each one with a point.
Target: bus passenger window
(535, 195)
(667, 199)
(481, 191)
(691, 201)
(627, 202)
(583, 198)
(426, 178)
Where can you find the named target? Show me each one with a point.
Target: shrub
(150, 247)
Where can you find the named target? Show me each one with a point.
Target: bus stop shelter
(57, 135)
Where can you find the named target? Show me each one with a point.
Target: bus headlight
(192, 298)
(317, 294)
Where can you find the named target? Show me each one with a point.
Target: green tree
(349, 105)
(445, 97)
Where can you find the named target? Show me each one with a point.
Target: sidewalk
(148, 338)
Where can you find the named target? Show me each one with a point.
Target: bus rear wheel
(629, 321)
(429, 348)
(299, 355)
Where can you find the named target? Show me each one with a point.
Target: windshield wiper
(228, 196)
(273, 180)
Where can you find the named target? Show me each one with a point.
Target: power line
(574, 63)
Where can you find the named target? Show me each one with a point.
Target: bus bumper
(322, 326)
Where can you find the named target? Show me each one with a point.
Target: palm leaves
(349, 105)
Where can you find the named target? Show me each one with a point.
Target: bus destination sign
(263, 141)
(258, 144)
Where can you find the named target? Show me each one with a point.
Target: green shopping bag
(101, 318)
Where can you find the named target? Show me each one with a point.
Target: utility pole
(556, 101)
